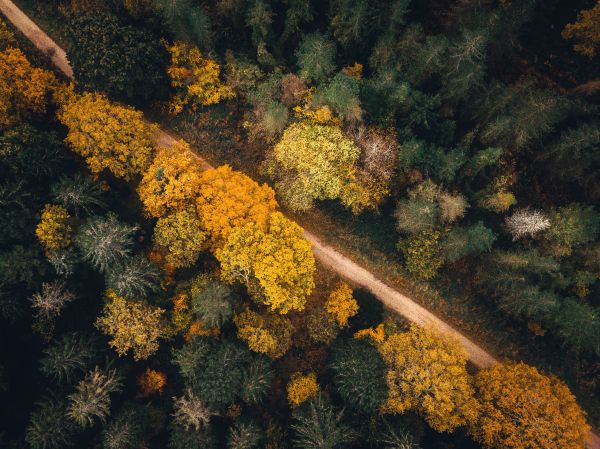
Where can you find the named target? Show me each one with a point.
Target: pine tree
(78, 194)
(133, 277)
(103, 241)
(359, 374)
(211, 300)
(48, 426)
(256, 381)
(244, 435)
(318, 426)
(316, 57)
(91, 399)
(68, 357)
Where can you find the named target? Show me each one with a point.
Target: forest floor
(331, 258)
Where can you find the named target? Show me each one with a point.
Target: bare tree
(91, 398)
(190, 412)
(526, 222)
(379, 151)
(51, 300)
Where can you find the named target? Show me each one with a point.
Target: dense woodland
(149, 301)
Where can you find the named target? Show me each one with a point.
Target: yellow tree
(196, 78)
(133, 325)
(151, 382)
(428, 372)
(108, 135)
(228, 199)
(586, 31)
(275, 263)
(317, 162)
(180, 236)
(24, 90)
(54, 230)
(341, 305)
(301, 388)
(264, 333)
(171, 183)
(523, 409)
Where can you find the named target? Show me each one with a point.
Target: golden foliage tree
(276, 263)
(54, 230)
(586, 31)
(180, 236)
(108, 135)
(520, 408)
(150, 382)
(24, 90)
(228, 198)
(196, 78)
(133, 325)
(301, 388)
(264, 333)
(317, 162)
(171, 183)
(427, 372)
(341, 305)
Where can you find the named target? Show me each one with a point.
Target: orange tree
(228, 198)
(108, 135)
(171, 182)
(24, 90)
(523, 409)
(276, 263)
(428, 373)
(586, 31)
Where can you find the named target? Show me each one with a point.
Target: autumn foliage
(301, 388)
(228, 199)
(180, 237)
(276, 263)
(54, 230)
(171, 182)
(108, 135)
(523, 409)
(133, 325)
(427, 372)
(341, 305)
(151, 382)
(196, 78)
(265, 333)
(24, 90)
(585, 31)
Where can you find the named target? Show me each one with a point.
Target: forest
(157, 287)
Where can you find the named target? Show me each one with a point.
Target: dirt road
(328, 256)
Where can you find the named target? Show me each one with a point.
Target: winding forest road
(328, 256)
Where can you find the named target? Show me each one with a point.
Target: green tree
(462, 241)
(211, 300)
(256, 380)
(341, 94)
(318, 426)
(316, 57)
(359, 374)
(68, 357)
(571, 226)
(124, 431)
(123, 61)
(49, 427)
(186, 21)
